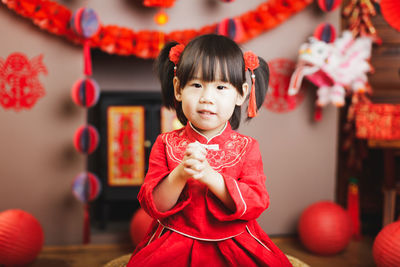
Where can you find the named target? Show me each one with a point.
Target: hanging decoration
(390, 10)
(377, 121)
(86, 187)
(54, 18)
(20, 87)
(231, 28)
(353, 207)
(85, 93)
(335, 68)
(325, 32)
(358, 13)
(329, 5)
(158, 3)
(277, 99)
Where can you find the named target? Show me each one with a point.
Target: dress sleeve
(157, 171)
(248, 191)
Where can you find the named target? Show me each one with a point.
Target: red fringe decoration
(54, 18)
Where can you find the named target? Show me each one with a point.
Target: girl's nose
(207, 96)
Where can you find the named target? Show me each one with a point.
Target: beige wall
(38, 164)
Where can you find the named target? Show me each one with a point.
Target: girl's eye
(196, 85)
(221, 87)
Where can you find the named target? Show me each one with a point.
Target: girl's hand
(194, 161)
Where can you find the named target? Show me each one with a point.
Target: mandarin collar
(196, 135)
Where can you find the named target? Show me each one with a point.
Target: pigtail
(261, 80)
(164, 69)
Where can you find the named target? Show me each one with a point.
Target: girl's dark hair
(205, 55)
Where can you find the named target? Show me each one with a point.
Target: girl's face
(208, 105)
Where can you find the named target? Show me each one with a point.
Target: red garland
(54, 18)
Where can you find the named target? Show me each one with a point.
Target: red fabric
(199, 229)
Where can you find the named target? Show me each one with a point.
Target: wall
(38, 162)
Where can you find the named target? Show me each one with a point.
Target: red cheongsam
(199, 230)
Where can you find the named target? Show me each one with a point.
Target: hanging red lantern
(21, 238)
(325, 32)
(231, 28)
(86, 139)
(85, 92)
(329, 5)
(86, 187)
(85, 23)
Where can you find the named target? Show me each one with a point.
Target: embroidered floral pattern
(229, 154)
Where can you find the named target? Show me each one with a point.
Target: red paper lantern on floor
(139, 226)
(325, 228)
(21, 237)
(386, 247)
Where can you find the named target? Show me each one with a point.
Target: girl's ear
(241, 98)
(177, 90)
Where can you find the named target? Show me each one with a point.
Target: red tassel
(87, 59)
(86, 225)
(318, 113)
(252, 109)
(353, 208)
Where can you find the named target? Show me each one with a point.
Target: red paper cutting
(20, 87)
(277, 98)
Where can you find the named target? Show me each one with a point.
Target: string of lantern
(113, 39)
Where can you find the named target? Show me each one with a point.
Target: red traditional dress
(199, 230)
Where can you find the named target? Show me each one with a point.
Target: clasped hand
(194, 162)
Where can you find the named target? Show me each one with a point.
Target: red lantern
(386, 247)
(325, 32)
(324, 228)
(21, 237)
(86, 139)
(139, 226)
(85, 92)
(329, 5)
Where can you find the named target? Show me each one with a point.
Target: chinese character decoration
(85, 93)
(20, 87)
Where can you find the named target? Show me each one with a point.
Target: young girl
(205, 186)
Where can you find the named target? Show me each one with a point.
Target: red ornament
(329, 5)
(386, 247)
(21, 237)
(161, 18)
(85, 92)
(139, 226)
(175, 53)
(325, 228)
(158, 3)
(325, 32)
(86, 139)
(390, 10)
(277, 99)
(231, 28)
(19, 84)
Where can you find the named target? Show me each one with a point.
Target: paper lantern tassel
(353, 207)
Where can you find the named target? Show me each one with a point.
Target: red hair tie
(175, 54)
(251, 63)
